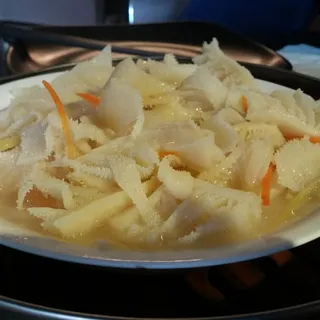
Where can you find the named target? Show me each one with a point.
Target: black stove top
(280, 281)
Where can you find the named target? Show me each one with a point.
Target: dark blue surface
(262, 20)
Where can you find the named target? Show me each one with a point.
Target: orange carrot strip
(89, 97)
(244, 103)
(289, 138)
(64, 119)
(315, 139)
(266, 185)
(162, 154)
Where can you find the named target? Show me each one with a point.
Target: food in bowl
(158, 154)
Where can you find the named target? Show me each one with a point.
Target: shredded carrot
(315, 139)
(289, 138)
(64, 119)
(91, 98)
(162, 154)
(266, 185)
(244, 103)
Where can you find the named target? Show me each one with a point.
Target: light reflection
(131, 13)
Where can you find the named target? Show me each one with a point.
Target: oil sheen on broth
(273, 219)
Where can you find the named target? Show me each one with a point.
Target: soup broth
(157, 155)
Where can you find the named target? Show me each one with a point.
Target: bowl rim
(191, 258)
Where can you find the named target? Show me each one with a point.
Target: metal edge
(252, 67)
(57, 314)
(286, 65)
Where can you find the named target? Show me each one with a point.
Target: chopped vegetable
(289, 137)
(244, 103)
(89, 97)
(302, 197)
(315, 139)
(163, 154)
(266, 185)
(8, 143)
(71, 151)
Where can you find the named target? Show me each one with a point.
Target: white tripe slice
(78, 221)
(33, 144)
(128, 72)
(16, 126)
(230, 207)
(175, 133)
(254, 162)
(127, 176)
(92, 181)
(222, 173)
(308, 105)
(123, 221)
(5, 119)
(55, 188)
(48, 185)
(29, 99)
(86, 76)
(290, 119)
(161, 205)
(301, 103)
(33, 103)
(205, 88)
(129, 222)
(24, 188)
(298, 163)
(133, 226)
(11, 175)
(138, 126)
(201, 153)
(164, 203)
(83, 195)
(170, 60)
(27, 184)
(169, 70)
(98, 155)
(146, 159)
(177, 183)
(54, 142)
(184, 217)
(144, 154)
(206, 229)
(211, 208)
(47, 214)
(225, 68)
(146, 171)
(259, 131)
(67, 86)
(226, 137)
(317, 114)
(87, 131)
(121, 107)
(96, 71)
(195, 147)
(83, 146)
(172, 111)
(230, 115)
(103, 172)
